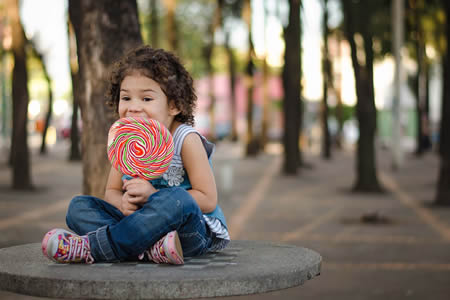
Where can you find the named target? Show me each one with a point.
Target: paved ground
(406, 256)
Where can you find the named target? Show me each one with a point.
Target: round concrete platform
(245, 267)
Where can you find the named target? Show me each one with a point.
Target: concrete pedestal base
(245, 267)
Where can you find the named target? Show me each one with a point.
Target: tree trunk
(215, 22)
(366, 175)
(251, 143)
(291, 76)
(326, 71)
(48, 116)
(49, 113)
(39, 56)
(104, 30)
(154, 21)
(19, 147)
(265, 88)
(426, 127)
(75, 153)
(172, 35)
(5, 116)
(266, 105)
(337, 86)
(443, 186)
(232, 75)
(207, 54)
(423, 142)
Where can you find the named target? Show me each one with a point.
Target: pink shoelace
(79, 249)
(156, 253)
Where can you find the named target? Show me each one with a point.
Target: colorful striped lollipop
(140, 147)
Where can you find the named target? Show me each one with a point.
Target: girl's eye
(146, 99)
(125, 98)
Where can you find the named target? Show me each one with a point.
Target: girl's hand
(126, 206)
(138, 190)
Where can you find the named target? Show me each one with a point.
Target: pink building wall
(223, 103)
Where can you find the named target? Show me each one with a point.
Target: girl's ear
(173, 109)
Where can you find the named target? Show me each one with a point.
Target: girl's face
(141, 96)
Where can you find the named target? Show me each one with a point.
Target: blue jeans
(115, 237)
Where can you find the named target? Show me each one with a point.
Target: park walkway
(405, 255)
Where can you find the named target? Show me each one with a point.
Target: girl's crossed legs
(114, 237)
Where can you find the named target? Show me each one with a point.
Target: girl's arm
(200, 174)
(113, 192)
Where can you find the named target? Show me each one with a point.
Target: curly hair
(164, 68)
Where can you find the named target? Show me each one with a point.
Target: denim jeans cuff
(100, 247)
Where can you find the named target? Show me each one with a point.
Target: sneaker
(167, 250)
(64, 246)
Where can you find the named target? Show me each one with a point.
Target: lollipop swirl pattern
(140, 147)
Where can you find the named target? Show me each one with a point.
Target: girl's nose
(135, 106)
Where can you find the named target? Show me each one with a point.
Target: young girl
(162, 219)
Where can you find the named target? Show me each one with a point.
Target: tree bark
(326, 71)
(75, 152)
(291, 76)
(5, 115)
(232, 76)
(423, 142)
(443, 186)
(172, 35)
(48, 116)
(366, 179)
(265, 89)
(251, 143)
(19, 148)
(265, 106)
(337, 87)
(207, 54)
(104, 31)
(208, 49)
(154, 21)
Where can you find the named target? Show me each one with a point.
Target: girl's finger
(133, 193)
(133, 200)
(131, 207)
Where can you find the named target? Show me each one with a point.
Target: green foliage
(190, 38)
(429, 16)
(277, 104)
(193, 18)
(375, 17)
(348, 112)
(381, 27)
(233, 8)
(378, 13)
